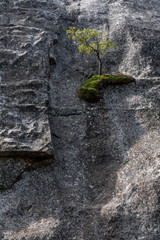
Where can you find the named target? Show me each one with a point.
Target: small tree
(91, 41)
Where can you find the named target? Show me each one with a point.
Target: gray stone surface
(24, 122)
(105, 180)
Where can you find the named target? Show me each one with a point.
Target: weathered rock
(104, 183)
(24, 124)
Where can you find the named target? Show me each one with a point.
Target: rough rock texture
(105, 180)
(24, 125)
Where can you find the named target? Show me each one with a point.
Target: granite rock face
(24, 124)
(104, 182)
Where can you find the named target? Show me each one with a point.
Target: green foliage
(90, 40)
(91, 89)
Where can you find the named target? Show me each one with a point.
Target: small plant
(91, 41)
(91, 89)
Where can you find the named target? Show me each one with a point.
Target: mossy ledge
(91, 89)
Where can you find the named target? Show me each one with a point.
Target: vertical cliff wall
(104, 179)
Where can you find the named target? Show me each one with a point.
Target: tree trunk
(100, 65)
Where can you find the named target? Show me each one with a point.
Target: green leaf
(90, 41)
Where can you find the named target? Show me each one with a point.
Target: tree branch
(91, 47)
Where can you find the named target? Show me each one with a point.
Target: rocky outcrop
(24, 125)
(104, 181)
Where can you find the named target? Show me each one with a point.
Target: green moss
(89, 94)
(91, 89)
